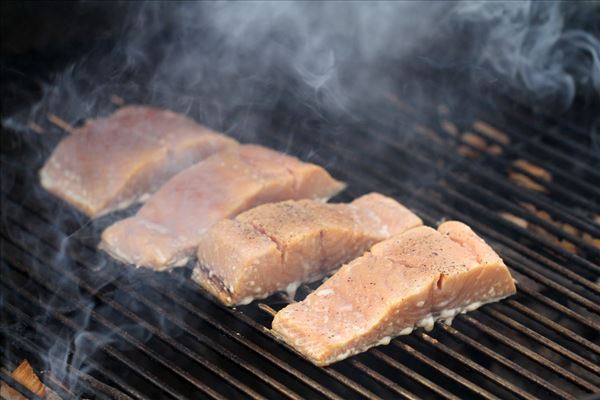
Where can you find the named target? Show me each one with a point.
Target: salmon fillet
(110, 163)
(167, 229)
(25, 375)
(281, 245)
(408, 281)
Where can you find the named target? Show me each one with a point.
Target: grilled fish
(278, 246)
(408, 281)
(166, 230)
(113, 162)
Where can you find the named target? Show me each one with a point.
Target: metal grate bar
(18, 386)
(532, 355)
(474, 366)
(504, 361)
(73, 325)
(522, 111)
(498, 179)
(553, 325)
(449, 373)
(383, 380)
(498, 315)
(57, 339)
(585, 320)
(412, 374)
(429, 112)
(49, 380)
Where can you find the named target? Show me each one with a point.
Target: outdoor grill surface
(94, 328)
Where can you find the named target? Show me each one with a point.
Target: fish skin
(402, 283)
(277, 246)
(166, 230)
(112, 162)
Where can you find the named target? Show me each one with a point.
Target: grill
(97, 329)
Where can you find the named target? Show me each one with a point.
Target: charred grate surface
(528, 184)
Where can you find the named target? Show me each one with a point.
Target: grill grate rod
(424, 121)
(530, 354)
(428, 111)
(52, 382)
(449, 373)
(553, 325)
(506, 165)
(108, 348)
(560, 308)
(60, 340)
(473, 365)
(563, 213)
(412, 374)
(498, 315)
(18, 386)
(503, 360)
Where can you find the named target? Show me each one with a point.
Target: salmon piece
(113, 162)
(166, 230)
(25, 375)
(408, 281)
(278, 246)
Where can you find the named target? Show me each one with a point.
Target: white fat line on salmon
(427, 323)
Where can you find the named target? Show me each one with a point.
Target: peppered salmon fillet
(110, 163)
(407, 281)
(166, 230)
(25, 375)
(281, 245)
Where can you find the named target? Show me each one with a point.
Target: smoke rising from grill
(231, 65)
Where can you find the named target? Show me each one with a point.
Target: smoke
(532, 44)
(232, 65)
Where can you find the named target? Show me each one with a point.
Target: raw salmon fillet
(407, 281)
(167, 229)
(25, 375)
(281, 245)
(110, 163)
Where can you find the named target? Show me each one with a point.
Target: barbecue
(524, 180)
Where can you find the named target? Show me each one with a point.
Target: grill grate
(154, 335)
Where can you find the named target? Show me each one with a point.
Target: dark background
(40, 39)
